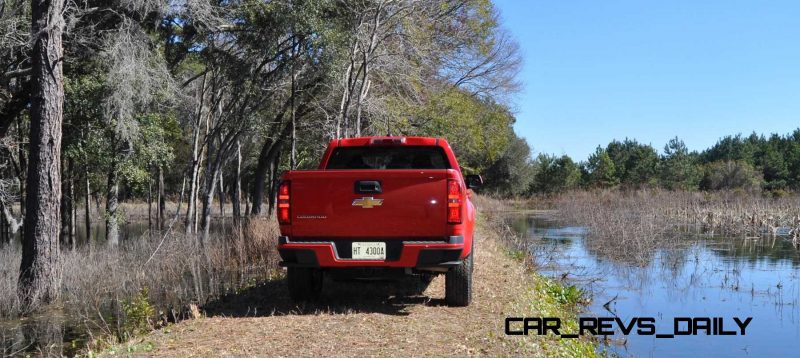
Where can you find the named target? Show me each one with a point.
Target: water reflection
(132, 229)
(694, 277)
(65, 330)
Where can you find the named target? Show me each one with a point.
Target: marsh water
(703, 277)
(60, 331)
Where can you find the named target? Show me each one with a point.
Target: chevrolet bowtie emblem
(367, 202)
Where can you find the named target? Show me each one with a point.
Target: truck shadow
(392, 297)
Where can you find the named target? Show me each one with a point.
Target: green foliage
(517, 255)
(153, 147)
(601, 170)
(774, 166)
(679, 168)
(478, 129)
(91, 139)
(731, 175)
(570, 295)
(137, 314)
(775, 161)
(513, 172)
(636, 164)
(555, 174)
(734, 162)
(734, 148)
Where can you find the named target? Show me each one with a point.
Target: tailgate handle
(368, 187)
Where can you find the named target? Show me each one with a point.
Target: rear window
(400, 157)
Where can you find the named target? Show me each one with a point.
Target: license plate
(369, 251)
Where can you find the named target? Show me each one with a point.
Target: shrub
(738, 174)
(137, 313)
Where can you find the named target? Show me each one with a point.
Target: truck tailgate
(412, 203)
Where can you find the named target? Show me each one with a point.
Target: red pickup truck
(379, 206)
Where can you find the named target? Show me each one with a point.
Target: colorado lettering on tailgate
(379, 206)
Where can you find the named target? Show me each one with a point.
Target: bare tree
(137, 79)
(372, 25)
(14, 61)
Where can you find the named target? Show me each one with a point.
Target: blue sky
(651, 70)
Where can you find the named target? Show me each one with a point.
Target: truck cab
(379, 205)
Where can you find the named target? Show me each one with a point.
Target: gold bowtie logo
(367, 202)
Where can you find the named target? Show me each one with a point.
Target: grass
(633, 226)
(384, 318)
(119, 295)
(111, 294)
(545, 298)
(539, 296)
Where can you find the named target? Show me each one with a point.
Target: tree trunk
(362, 92)
(190, 207)
(213, 172)
(162, 204)
(72, 207)
(112, 205)
(86, 209)
(196, 162)
(67, 234)
(274, 182)
(180, 201)
(4, 236)
(236, 198)
(150, 205)
(265, 161)
(293, 154)
(40, 274)
(212, 169)
(221, 198)
(260, 177)
(63, 233)
(366, 56)
(208, 198)
(348, 84)
(23, 169)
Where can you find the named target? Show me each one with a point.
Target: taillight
(453, 202)
(284, 213)
(384, 141)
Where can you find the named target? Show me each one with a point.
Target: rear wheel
(458, 284)
(305, 284)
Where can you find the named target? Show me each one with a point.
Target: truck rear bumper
(425, 254)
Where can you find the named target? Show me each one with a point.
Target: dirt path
(363, 319)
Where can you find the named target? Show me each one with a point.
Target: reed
(635, 224)
(175, 272)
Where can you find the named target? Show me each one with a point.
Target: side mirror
(474, 181)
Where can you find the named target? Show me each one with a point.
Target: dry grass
(378, 318)
(248, 311)
(632, 226)
(174, 271)
(10, 261)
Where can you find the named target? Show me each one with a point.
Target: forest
(189, 101)
(753, 163)
(181, 112)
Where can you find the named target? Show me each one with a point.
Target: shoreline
(371, 322)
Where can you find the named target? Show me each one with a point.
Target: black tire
(305, 284)
(458, 284)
